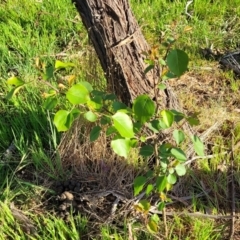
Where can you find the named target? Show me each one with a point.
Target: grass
(43, 31)
(47, 226)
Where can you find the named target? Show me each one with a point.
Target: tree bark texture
(119, 44)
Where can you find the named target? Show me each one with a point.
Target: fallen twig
(196, 214)
(184, 199)
(165, 222)
(204, 157)
(231, 234)
(186, 8)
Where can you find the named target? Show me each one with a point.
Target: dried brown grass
(96, 161)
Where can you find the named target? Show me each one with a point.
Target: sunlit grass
(44, 226)
(213, 23)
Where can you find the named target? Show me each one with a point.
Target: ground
(54, 187)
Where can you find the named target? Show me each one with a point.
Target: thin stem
(165, 222)
(156, 151)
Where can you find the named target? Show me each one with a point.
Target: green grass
(47, 226)
(30, 30)
(214, 23)
(50, 30)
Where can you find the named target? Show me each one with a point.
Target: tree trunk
(119, 44)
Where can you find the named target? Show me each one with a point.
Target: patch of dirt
(84, 197)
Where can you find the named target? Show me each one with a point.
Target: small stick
(130, 233)
(183, 199)
(186, 8)
(164, 215)
(196, 214)
(231, 234)
(204, 157)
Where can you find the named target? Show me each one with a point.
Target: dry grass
(95, 160)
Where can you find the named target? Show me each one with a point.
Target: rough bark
(119, 44)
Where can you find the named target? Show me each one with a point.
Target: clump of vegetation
(49, 89)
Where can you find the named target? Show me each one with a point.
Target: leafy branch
(128, 128)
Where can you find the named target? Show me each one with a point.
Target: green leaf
(172, 178)
(143, 108)
(105, 120)
(49, 72)
(134, 143)
(90, 116)
(75, 113)
(171, 170)
(118, 105)
(193, 121)
(155, 218)
(87, 85)
(163, 196)
(70, 120)
(198, 145)
(162, 86)
(154, 126)
(146, 151)
(152, 226)
(178, 116)
(121, 147)
(137, 127)
(165, 148)
(179, 154)
(123, 123)
(149, 173)
(148, 68)
(164, 164)
(138, 184)
(149, 189)
(78, 94)
(179, 136)
(168, 75)
(95, 103)
(144, 205)
(60, 120)
(111, 130)
(177, 62)
(171, 40)
(110, 97)
(161, 206)
(168, 188)
(62, 65)
(162, 125)
(143, 138)
(95, 133)
(161, 183)
(50, 103)
(167, 117)
(51, 93)
(14, 91)
(162, 61)
(98, 93)
(180, 170)
(15, 81)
